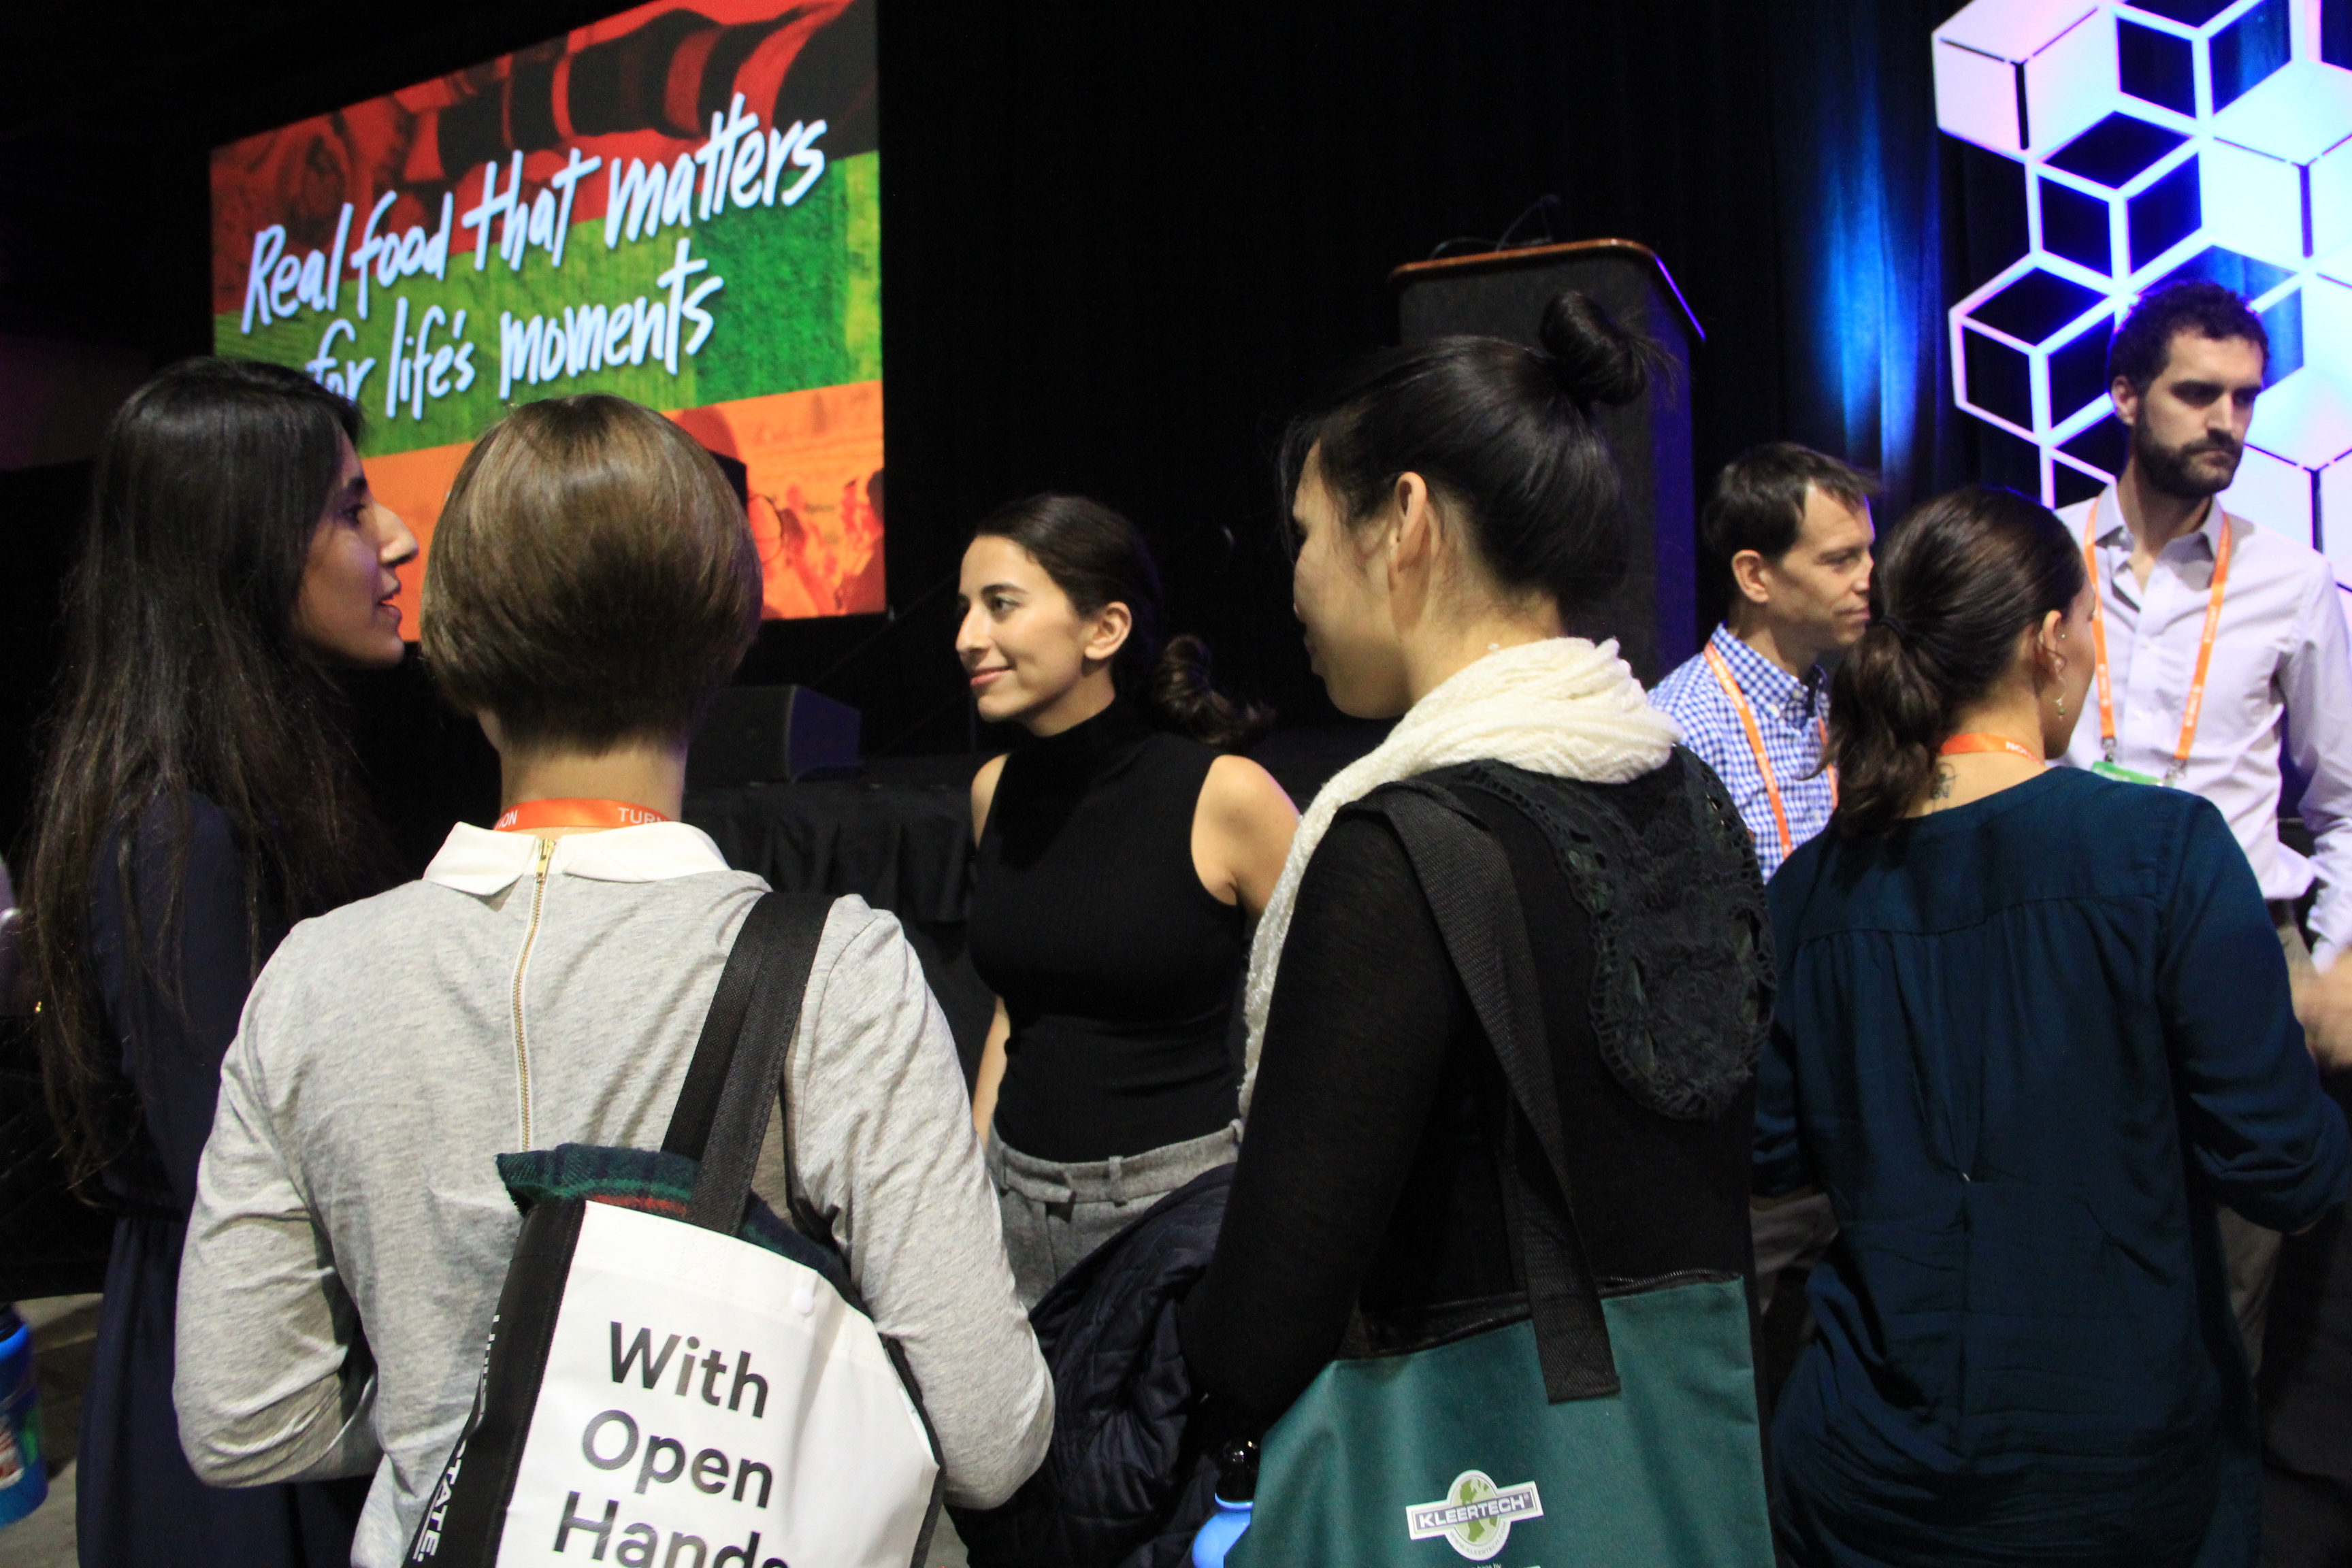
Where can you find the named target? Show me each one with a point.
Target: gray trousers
(1055, 1215)
(1786, 1235)
(2249, 1250)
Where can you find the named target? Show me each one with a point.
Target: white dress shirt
(2278, 694)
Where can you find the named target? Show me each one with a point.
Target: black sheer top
(1368, 1188)
(1118, 970)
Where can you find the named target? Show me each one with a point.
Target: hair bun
(1593, 358)
(1181, 691)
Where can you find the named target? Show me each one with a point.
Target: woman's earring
(2061, 705)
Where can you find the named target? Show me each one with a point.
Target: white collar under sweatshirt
(478, 861)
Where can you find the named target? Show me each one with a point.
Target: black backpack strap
(721, 1116)
(1470, 888)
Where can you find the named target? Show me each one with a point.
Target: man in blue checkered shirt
(1791, 528)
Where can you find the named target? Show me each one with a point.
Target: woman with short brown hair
(593, 583)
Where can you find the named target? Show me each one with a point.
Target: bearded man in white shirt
(2221, 646)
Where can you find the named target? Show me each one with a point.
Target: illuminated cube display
(2161, 140)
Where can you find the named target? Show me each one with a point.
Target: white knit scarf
(1560, 706)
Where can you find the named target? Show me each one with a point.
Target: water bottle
(1236, 1495)
(24, 1479)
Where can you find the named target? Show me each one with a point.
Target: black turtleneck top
(1118, 970)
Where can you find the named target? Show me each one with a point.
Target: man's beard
(2176, 470)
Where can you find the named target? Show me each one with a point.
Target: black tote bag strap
(1475, 898)
(737, 1073)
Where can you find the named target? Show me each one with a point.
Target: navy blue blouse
(2025, 1046)
(138, 1504)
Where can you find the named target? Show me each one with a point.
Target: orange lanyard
(1724, 677)
(1979, 742)
(533, 813)
(2195, 702)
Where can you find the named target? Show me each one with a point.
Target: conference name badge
(2125, 775)
(1474, 1515)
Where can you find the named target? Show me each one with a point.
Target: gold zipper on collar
(522, 962)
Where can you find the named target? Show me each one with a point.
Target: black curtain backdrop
(1121, 244)
(1141, 235)
(1880, 222)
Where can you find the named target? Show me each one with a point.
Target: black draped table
(899, 836)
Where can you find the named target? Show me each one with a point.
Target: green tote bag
(1564, 1430)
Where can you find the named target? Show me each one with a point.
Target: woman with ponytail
(1367, 1314)
(2033, 1025)
(1121, 857)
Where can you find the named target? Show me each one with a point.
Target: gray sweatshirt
(351, 1234)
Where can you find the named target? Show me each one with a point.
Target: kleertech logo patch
(1474, 1515)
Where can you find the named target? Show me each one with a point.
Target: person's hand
(2323, 1003)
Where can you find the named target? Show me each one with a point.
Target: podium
(1653, 614)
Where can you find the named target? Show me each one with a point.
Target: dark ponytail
(1098, 558)
(1966, 574)
(1504, 431)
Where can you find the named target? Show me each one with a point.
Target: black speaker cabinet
(771, 734)
(1653, 614)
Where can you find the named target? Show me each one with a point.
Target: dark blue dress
(2025, 1046)
(138, 1503)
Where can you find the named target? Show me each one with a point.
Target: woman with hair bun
(1120, 858)
(2034, 1024)
(1455, 501)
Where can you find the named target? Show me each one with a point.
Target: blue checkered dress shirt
(1787, 711)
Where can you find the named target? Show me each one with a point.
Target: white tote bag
(675, 1379)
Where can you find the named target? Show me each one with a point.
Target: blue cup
(24, 1478)
(1217, 1536)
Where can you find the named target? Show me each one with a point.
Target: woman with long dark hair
(2034, 1024)
(1121, 855)
(1403, 1208)
(198, 796)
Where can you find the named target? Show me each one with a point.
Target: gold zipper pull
(522, 964)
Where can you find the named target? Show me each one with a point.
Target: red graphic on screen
(324, 228)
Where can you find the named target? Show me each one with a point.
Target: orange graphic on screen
(812, 464)
(813, 471)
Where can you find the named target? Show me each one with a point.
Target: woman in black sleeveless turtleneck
(1121, 859)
